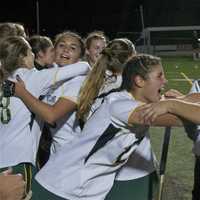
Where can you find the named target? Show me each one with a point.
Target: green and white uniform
(86, 167)
(19, 142)
(68, 127)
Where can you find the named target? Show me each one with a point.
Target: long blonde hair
(113, 58)
(12, 51)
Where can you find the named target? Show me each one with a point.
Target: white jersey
(18, 142)
(140, 164)
(111, 83)
(195, 87)
(68, 127)
(144, 160)
(88, 165)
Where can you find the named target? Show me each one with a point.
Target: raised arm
(72, 70)
(44, 79)
(192, 98)
(132, 113)
(144, 115)
(169, 109)
(187, 110)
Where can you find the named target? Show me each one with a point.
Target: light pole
(142, 22)
(37, 18)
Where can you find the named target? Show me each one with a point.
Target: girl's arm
(131, 112)
(72, 70)
(151, 113)
(49, 113)
(155, 116)
(53, 76)
(169, 112)
(192, 98)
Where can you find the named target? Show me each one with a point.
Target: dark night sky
(112, 16)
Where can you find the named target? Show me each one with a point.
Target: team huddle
(76, 122)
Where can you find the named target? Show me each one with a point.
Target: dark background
(107, 15)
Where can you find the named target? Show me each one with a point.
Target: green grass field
(180, 161)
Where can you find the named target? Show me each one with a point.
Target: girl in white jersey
(141, 165)
(19, 141)
(193, 133)
(86, 168)
(69, 48)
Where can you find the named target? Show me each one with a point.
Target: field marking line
(184, 75)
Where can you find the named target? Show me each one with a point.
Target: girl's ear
(40, 54)
(21, 60)
(139, 81)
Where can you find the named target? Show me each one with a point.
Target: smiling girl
(19, 138)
